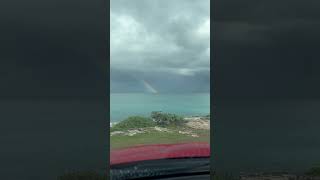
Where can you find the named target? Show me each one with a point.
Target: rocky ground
(198, 123)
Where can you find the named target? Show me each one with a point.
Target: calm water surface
(123, 105)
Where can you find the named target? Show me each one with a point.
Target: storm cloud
(166, 43)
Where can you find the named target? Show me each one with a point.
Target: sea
(123, 105)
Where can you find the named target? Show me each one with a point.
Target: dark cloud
(165, 82)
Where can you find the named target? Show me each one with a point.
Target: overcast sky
(160, 45)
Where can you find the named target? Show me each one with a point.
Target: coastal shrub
(82, 176)
(166, 119)
(133, 122)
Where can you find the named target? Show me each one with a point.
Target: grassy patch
(176, 131)
(156, 137)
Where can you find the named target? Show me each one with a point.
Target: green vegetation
(86, 175)
(133, 122)
(156, 137)
(160, 128)
(166, 119)
(157, 119)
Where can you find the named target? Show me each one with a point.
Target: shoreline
(187, 118)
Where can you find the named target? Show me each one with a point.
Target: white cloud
(203, 30)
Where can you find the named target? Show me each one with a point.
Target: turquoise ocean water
(123, 105)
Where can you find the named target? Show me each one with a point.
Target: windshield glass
(160, 73)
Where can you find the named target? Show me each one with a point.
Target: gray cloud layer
(166, 43)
